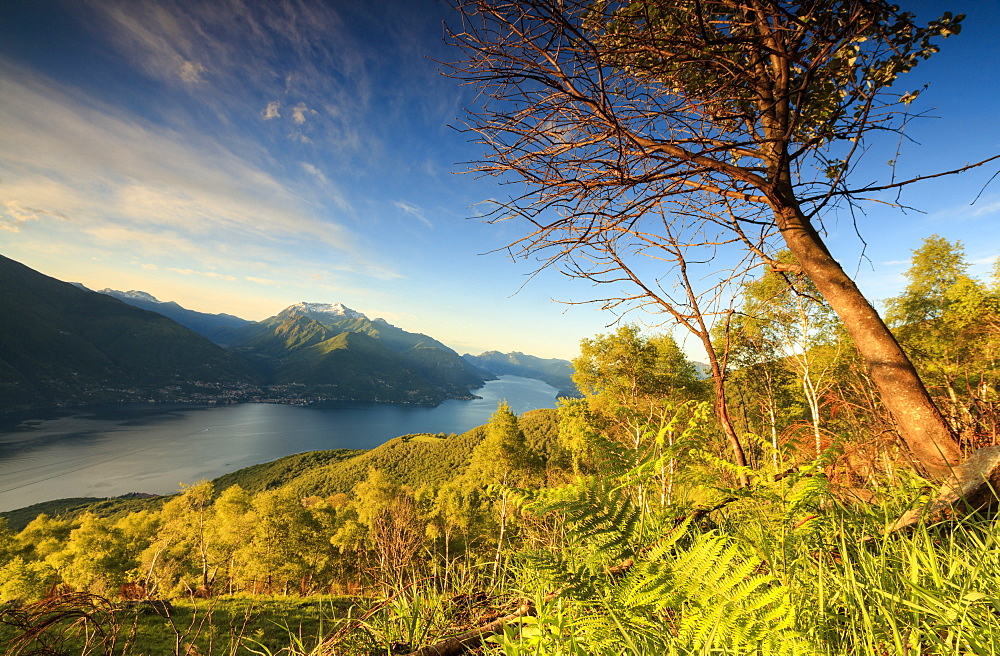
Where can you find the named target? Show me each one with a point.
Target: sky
(240, 156)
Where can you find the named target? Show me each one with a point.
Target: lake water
(107, 451)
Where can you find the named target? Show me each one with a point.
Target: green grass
(224, 625)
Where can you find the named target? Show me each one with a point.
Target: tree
(44, 536)
(180, 557)
(503, 456)
(25, 580)
(502, 459)
(782, 313)
(628, 379)
(95, 557)
(645, 127)
(949, 323)
(626, 368)
(395, 528)
(286, 545)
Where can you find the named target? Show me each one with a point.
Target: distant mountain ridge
(212, 326)
(60, 344)
(333, 350)
(557, 373)
(63, 344)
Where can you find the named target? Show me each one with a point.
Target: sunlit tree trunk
(921, 425)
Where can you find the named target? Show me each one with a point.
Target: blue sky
(243, 156)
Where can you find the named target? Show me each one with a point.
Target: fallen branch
(974, 487)
(469, 640)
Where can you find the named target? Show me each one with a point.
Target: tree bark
(722, 408)
(921, 425)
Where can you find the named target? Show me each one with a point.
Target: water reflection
(112, 450)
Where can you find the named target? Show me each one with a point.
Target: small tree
(949, 323)
(502, 460)
(395, 528)
(784, 313)
(645, 127)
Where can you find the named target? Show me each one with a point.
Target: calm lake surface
(106, 451)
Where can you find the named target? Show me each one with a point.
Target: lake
(105, 451)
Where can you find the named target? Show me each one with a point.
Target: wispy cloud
(192, 72)
(315, 172)
(990, 207)
(206, 274)
(414, 211)
(13, 216)
(122, 179)
(324, 76)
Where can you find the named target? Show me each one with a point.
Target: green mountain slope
(62, 345)
(212, 326)
(341, 354)
(413, 460)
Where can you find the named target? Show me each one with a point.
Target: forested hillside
(62, 345)
(616, 523)
(212, 326)
(557, 373)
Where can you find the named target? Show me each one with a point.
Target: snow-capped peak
(134, 294)
(326, 309)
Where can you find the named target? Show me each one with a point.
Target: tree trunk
(722, 407)
(920, 423)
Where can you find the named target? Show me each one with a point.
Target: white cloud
(989, 208)
(300, 112)
(271, 111)
(413, 210)
(206, 274)
(315, 172)
(12, 216)
(192, 72)
(122, 180)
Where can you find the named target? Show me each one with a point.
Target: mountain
(557, 373)
(63, 345)
(212, 326)
(340, 353)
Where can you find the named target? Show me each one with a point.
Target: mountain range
(337, 351)
(63, 344)
(212, 326)
(557, 373)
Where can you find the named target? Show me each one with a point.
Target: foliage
(640, 545)
(949, 323)
(626, 377)
(627, 368)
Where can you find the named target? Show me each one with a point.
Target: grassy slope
(412, 460)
